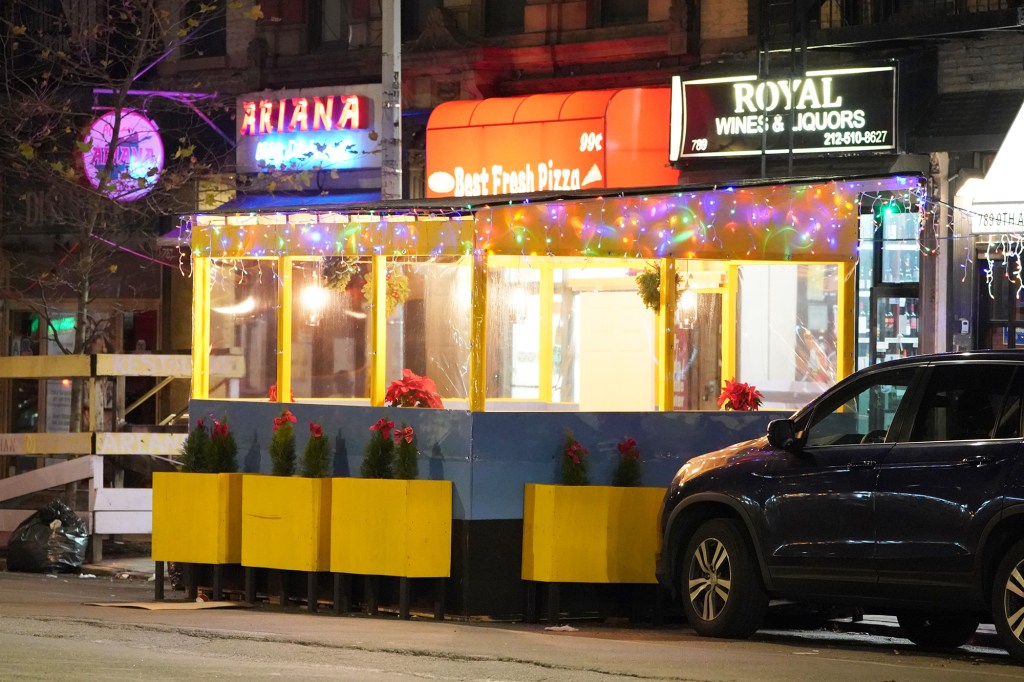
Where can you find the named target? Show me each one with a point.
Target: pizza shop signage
(839, 110)
(312, 129)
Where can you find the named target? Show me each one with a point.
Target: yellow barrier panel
(197, 518)
(388, 527)
(590, 534)
(286, 522)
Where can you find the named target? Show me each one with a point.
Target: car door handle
(863, 464)
(976, 460)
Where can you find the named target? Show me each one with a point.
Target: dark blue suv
(900, 490)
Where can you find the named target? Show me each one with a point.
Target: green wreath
(397, 291)
(648, 287)
(337, 272)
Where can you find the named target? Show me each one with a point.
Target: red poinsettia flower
(405, 434)
(576, 452)
(272, 393)
(628, 448)
(286, 416)
(739, 396)
(315, 430)
(412, 390)
(383, 427)
(220, 430)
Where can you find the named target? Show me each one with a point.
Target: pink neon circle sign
(138, 155)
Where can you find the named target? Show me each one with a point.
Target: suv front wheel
(1008, 601)
(721, 585)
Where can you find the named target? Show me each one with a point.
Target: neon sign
(298, 114)
(308, 129)
(138, 155)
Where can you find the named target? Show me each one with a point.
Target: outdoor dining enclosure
(535, 318)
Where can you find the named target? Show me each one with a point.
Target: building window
(209, 35)
(503, 17)
(615, 12)
(283, 11)
(330, 23)
(415, 14)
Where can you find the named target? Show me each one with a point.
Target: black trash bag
(52, 540)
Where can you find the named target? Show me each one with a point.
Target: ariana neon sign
(138, 155)
(299, 114)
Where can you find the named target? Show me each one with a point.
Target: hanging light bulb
(314, 298)
(688, 303)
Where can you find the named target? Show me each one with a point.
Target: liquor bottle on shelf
(912, 315)
(888, 324)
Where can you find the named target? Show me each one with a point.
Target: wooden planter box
(590, 534)
(393, 528)
(286, 522)
(197, 518)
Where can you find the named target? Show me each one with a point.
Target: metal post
(391, 81)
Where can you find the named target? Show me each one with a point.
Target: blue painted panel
(490, 456)
(512, 449)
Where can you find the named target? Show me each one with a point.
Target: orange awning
(549, 142)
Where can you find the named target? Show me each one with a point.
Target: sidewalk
(128, 568)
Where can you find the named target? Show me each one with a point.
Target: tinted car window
(968, 402)
(861, 412)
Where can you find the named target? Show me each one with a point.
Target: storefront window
(598, 341)
(786, 331)
(697, 361)
(513, 332)
(243, 328)
(1001, 307)
(901, 254)
(330, 347)
(429, 331)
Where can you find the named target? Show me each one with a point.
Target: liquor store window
(888, 278)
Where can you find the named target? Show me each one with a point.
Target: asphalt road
(49, 631)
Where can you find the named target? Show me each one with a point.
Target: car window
(967, 402)
(861, 412)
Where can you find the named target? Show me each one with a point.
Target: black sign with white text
(839, 110)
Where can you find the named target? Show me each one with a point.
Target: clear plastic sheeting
(243, 327)
(430, 332)
(568, 334)
(330, 330)
(787, 331)
(697, 352)
(427, 329)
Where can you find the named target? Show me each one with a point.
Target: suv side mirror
(782, 435)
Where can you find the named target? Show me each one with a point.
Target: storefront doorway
(1000, 306)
